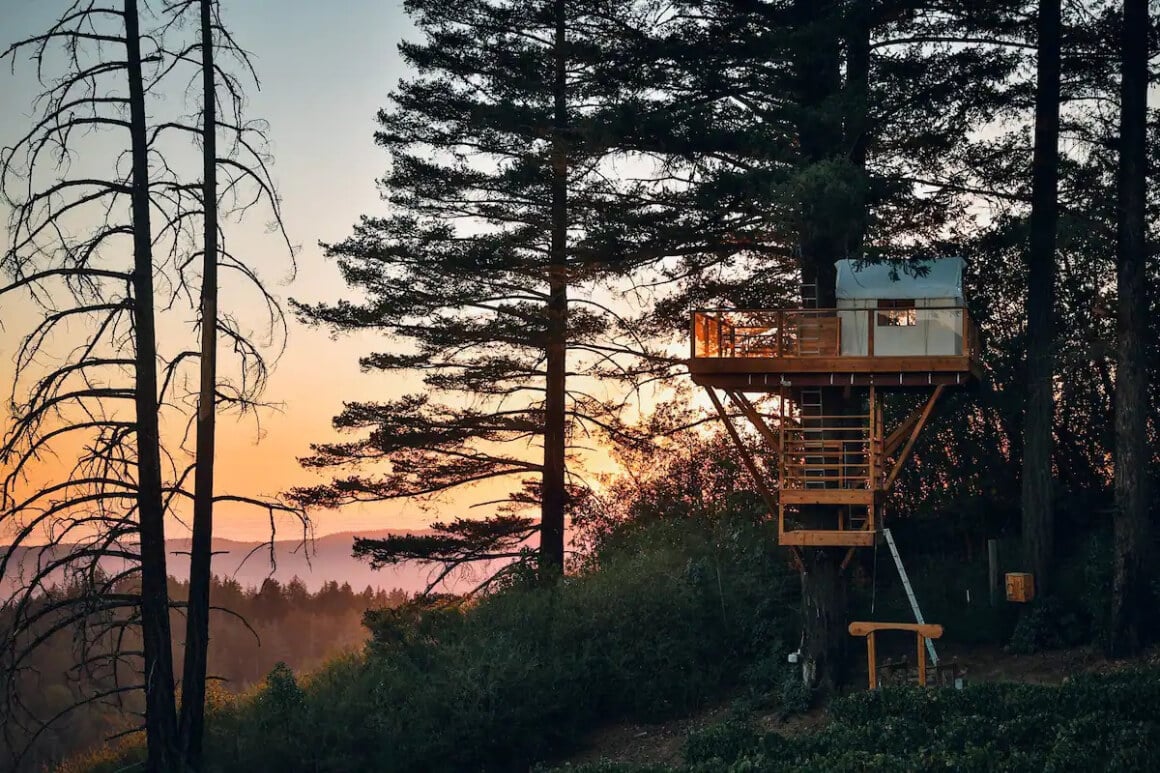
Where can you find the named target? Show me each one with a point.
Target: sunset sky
(325, 69)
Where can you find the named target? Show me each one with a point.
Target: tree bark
(821, 137)
(1038, 420)
(857, 105)
(160, 712)
(823, 619)
(193, 681)
(1130, 579)
(554, 475)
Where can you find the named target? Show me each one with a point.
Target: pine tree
(501, 223)
(1130, 600)
(1038, 516)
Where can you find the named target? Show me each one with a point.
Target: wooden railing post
(921, 659)
(869, 332)
(780, 332)
(966, 333)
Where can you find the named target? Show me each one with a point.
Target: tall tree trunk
(197, 614)
(160, 712)
(821, 137)
(1038, 517)
(857, 104)
(1130, 580)
(554, 489)
(824, 618)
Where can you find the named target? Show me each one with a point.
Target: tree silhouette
(112, 501)
(1130, 600)
(104, 395)
(503, 224)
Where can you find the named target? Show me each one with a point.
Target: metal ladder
(909, 592)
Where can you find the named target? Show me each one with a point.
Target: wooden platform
(764, 374)
(833, 471)
(827, 496)
(827, 538)
(764, 350)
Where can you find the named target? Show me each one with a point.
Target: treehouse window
(897, 313)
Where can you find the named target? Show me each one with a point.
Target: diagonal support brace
(750, 411)
(914, 433)
(746, 457)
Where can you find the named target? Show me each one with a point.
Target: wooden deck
(762, 351)
(751, 374)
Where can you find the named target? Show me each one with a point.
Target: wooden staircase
(830, 460)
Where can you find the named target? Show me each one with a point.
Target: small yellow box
(1020, 586)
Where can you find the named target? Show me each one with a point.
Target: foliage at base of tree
(1090, 723)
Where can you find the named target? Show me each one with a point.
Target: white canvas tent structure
(912, 314)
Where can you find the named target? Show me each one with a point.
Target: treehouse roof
(935, 278)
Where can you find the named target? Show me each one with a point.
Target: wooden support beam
(921, 660)
(895, 438)
(887, 368)
(767, 383)
(827, 496)
(875, 436)
(747, 408)
(928, 630)
(902, 457)
(872, 660)
(846, 560)
(796, 554)
(746, 457)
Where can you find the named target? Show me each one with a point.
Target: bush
(1049, 623)
(1091, 723)
(723, 741)
(667, 620)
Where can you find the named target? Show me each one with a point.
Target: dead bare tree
(102, 399)
(113, 501)
(244, 167)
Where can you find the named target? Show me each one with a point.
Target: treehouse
(891, 329)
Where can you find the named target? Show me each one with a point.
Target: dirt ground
(662, 743)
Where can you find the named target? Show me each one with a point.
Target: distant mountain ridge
(315, 562)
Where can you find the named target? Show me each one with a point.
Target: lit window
(896, 313)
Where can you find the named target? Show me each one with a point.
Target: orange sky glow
(324, 75)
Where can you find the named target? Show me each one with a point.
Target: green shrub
(724, 741)
(1050, 623)
(669, 617)
(1091, 723)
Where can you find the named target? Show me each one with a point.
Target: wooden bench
(922, 632)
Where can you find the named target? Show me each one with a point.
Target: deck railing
(826, 452)
(776, 333)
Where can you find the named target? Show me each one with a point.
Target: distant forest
(271, 624)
